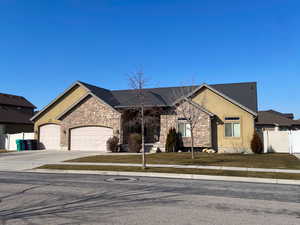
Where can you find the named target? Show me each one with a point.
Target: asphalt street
(45, 199)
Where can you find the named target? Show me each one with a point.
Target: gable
(59, 105)
(217, 104)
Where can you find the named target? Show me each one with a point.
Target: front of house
(85, 116)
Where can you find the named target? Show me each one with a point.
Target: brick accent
(202, 130)
(90, 112)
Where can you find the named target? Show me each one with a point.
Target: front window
(232, 127)
(184, 128)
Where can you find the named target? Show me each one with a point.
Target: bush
(173, 142)
(135, 143)
(256, 144)
(112, 144)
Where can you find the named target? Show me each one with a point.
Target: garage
(50, 137)
(90, 138)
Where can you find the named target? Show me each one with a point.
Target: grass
(271, 160)
(3, 151)
(175, 170)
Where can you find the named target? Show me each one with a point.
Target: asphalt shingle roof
(6, 99)
(272, 117)
(243, 93)
(9, 115)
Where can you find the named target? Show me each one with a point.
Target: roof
(7, 99)
(272, 117)
(243, 93)
(9, 115)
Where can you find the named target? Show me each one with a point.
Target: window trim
(227, 119)
(185, 122)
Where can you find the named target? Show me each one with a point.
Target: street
(45, 199)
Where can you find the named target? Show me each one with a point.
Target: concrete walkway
(186, 167)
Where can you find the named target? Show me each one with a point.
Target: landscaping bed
(175, 170)
(270, 161)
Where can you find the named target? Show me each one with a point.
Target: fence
(282, 141)
(8, 141)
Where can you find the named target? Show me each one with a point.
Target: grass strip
(271, 160)
(175, 170)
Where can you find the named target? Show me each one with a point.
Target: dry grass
(176, 170)
(3, 151)
(276, 161)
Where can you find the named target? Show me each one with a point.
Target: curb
(172, 175)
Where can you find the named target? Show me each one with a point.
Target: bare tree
(188, 110)
(137, 82)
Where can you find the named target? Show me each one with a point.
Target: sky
(46, 45)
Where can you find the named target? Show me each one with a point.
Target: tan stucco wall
(223, 108)
(50, 115)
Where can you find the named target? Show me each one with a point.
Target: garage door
(90, 138)
(50, 137)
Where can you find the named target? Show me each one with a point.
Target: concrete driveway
(18, 161)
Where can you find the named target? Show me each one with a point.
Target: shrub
(172, 141)
(135, 143)
(256, 144)
(112, 144)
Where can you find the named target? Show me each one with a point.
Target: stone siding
(202, 130)
(90, 112)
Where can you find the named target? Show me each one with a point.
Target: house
(274, 120)
(15, 114)
(84, 116)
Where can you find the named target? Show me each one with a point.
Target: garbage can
(23, 145)
(19, 146)
(28, 144)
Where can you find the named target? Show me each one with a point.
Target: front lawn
(175, 170)
(271, 160)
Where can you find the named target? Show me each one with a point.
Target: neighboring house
(15, 114)
(273, 120)
(85, 116)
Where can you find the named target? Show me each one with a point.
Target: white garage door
(50, 137)
(90, 138)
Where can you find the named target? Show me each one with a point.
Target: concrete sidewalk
(186, 167)
(172, 176)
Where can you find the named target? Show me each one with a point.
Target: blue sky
(46, 45)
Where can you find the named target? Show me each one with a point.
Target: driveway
(18, 161)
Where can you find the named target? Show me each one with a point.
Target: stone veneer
(90, 112)
(202, 130)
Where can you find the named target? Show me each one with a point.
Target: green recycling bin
(19, 144)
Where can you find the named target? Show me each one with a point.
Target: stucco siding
(61, 105)
(222, 108)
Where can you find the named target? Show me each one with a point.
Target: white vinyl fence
(8, 141)
(282, 141)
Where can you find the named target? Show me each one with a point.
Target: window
(184, 128)
(232, 127)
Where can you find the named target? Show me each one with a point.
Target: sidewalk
(185, 167)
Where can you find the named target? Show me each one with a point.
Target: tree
(137, 82)
(256, 144)
(188, 110)
(171, 142)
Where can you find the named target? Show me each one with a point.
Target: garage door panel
(90, 138)
(49, 137)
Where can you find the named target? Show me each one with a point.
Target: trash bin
(28, 144)
(23, 145)
(19, 146)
